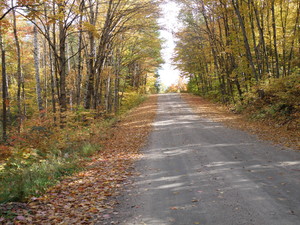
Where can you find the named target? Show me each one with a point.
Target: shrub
(43, 153)
(277, 99)
(131, 100)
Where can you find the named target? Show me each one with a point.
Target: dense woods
(68, 68)
(242, 51)
(61, 56)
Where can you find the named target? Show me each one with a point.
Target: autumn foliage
(243, 54)
(69, 70)
(82, 198)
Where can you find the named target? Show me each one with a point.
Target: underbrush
(20, 180)
(40, 159)
(131, 100)
(43, 153)
(275, 101)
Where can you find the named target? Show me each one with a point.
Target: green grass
(19, 182)
(21, 179)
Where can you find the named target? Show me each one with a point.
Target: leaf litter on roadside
(84, 197)
(266, 130)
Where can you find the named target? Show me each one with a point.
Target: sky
(168, 73)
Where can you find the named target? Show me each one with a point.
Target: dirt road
(196, 171)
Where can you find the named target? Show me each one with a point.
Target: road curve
(196, 171)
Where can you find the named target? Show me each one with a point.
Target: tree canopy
(227, 48)
(64, 55)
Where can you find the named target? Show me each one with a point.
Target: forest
(68, 70)
(243, 53)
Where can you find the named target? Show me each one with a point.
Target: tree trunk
(283, 27)
(62, 67)
(37, 70)
(246, 43)
(52, 77)
(55, 58)
(19, 71)
(116, 100)
(261, 37)
(214, 53)
(296, 27)
(97, 82)
(255, 46)
(107, 95)
(275, 38)
(4, 92)
(91, 58)
(45, 64)
(79, 67)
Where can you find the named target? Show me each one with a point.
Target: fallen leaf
(20, 218)
(106, 216)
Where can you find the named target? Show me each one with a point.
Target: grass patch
(88, 149)
(21, 181)
(24, 178)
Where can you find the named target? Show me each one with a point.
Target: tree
(4, 90)
(19, 72)
(37, 69)
(226, 48)
(85, 52)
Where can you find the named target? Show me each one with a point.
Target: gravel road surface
(196, 171)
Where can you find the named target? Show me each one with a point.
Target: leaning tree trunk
(256, 50)
(212, 44)
(246, 42)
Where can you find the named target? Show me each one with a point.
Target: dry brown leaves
(82, 198)
(265, 130)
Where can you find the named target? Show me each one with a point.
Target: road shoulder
(219, 113)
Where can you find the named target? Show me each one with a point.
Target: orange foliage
(82, 198)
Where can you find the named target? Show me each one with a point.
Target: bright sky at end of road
(169, 23)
